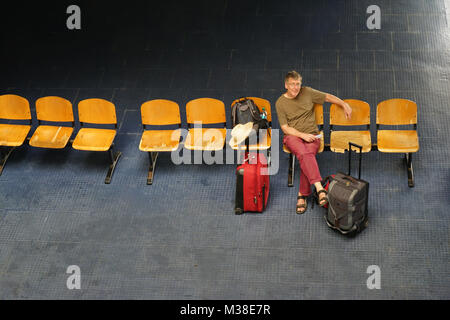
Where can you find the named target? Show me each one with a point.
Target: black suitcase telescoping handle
(350, 144)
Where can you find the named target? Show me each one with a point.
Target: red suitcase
(253, 184)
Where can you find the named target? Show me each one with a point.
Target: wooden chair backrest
(318, 112)
(397, 112)
(160, 112)
(360, 114)
(54, 109)
(97, 111)
(206, 111)
(14, 107)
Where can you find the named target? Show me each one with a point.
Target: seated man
(295, 110)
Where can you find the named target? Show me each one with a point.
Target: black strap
(325, 180)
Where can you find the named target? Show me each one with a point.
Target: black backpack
(244, 111)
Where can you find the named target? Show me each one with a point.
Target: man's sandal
(324, 200)
(303, 206)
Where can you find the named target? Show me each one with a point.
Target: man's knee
(305, 156)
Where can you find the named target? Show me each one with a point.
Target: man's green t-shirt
(298, 112)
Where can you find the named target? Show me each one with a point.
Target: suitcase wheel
(365, 223)
(238, 211)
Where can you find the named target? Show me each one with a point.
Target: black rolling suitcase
(348, 200)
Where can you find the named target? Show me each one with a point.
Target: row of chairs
(206, 111)
(48, 135)
(392, 112)
(49, 110)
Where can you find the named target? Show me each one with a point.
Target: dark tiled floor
(179, 238)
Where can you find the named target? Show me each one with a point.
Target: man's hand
(308, 137)
(347, 110)
(345, 106)
(305, 136)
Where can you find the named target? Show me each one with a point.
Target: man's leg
(305, 186)
(306, 155)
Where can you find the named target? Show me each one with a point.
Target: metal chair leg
(153, 156)
(114, 159)
(291, 170)
(409, 167)
(4, 158)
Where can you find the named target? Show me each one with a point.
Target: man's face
(293, 87)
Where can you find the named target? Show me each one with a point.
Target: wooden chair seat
(209, 139)
(339, 140)
(92, 139)
(398, 141)
(13, 135)
(51, 137)
(160, 140)
(265, 142)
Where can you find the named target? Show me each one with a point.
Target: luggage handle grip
(350, 144)
(350, 178)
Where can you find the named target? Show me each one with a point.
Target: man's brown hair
(292, 74)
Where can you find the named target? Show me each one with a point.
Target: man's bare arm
(333, 99)
(294, 132)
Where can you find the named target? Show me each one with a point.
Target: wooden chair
(360, 117)
(398, 112)
(13, 107)
(53, 109)
(159, 113)
(205, 111)
(318, 112)
(97, 111)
